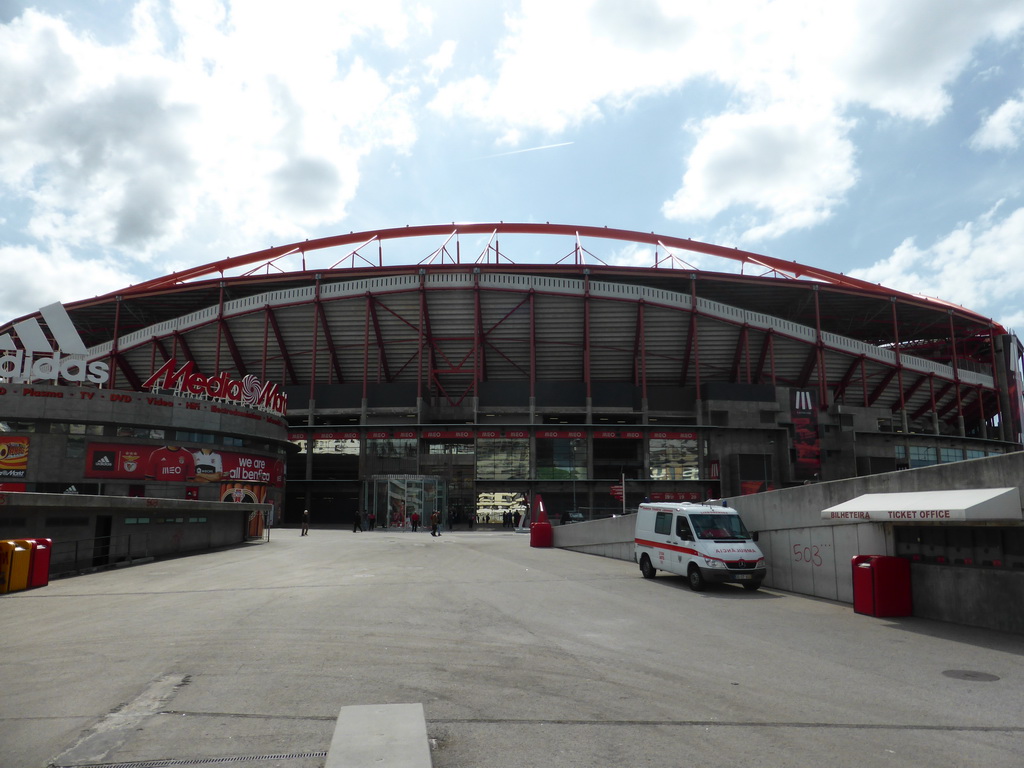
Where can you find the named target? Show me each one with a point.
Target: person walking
(357, 524)
(305, 523)
(435, 523)
(414, 518)
(371, 520)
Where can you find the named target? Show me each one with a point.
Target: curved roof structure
(465, 310)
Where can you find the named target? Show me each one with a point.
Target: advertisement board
(13, 457)
(174, 463)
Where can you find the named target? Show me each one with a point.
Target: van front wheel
(696, 579)
(647, 568)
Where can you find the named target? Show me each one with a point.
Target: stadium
(467, 367)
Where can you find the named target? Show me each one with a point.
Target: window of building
(502, 459)
(618, 457)
(449, 447)
(673, 459)
(922, 456)
(143, 432)
(17, 426)
(391, 456)
(74, 448)
(62, 428)
(195, 437)
(951, 454)
(984, 546)
(561, 458)
(334, 459)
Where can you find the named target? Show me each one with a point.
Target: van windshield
(719, 527)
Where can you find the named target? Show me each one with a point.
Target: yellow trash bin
(14, 566)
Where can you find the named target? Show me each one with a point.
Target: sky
(880, 139)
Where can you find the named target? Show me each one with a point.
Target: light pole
(575, 442)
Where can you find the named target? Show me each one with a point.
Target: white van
(703, 542)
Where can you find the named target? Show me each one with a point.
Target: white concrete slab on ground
(380, 736)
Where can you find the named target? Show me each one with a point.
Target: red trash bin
(39, 561)
(881, 585)
(542, 534)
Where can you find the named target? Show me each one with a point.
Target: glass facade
(394, 500)
(561, 458)
(503, 459)
(674, 459)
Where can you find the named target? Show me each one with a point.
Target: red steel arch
(781, 267)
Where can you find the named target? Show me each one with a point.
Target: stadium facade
(467, 367)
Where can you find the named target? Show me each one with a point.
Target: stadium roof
(756, 308)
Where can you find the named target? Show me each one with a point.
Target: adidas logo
(103, 462)
(803, 400)
(22, 365)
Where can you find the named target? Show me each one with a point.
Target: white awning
(975, 505)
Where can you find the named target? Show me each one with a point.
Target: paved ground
(521, 657)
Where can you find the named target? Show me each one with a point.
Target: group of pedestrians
(371, 521)
(357, 524)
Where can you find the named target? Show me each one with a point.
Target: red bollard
(541, 532)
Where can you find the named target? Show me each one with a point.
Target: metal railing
(69, 557)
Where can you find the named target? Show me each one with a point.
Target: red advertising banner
(489, 434)
(806, 441)
(173, 463)
(676, 496)
(252, 493)
(13, 456)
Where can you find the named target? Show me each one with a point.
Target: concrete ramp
(380, 736)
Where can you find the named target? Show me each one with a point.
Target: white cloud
(1004, 128)
(209, 129)
(30, 278)
(791, 167)
(795, 70)
(442, 60)
(976, 265)
(206, 119)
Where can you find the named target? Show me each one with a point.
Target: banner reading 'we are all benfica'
(242, 477)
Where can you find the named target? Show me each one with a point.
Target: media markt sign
(248, 391)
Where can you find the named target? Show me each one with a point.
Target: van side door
(682, 542)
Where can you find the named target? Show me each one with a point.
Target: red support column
(266, 345)
(820, 355)
(533, 344)
(641, 312)
(366, 346)
(956, 377)
(419, 340)
(316, 335)
(586, 329)
(478, 335)
(113, 346)
(694, 315)
(220, 325)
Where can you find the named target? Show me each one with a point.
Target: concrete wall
(161, 527)
(42, 415)
(611, 537)
(811, 556)
(25, 402)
